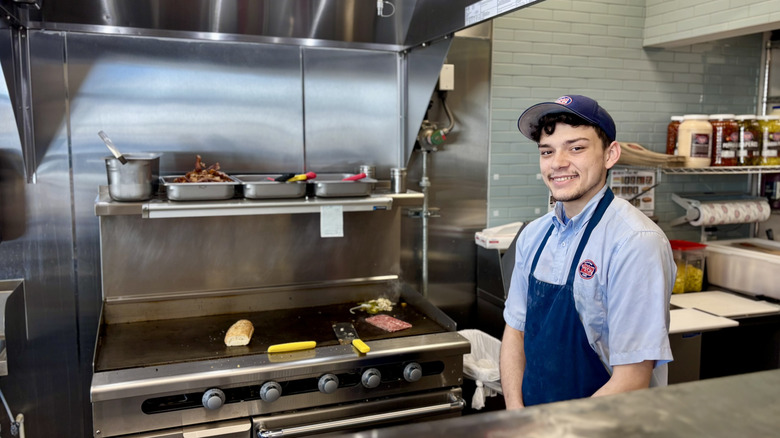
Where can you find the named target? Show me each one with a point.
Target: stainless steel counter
(743, 405)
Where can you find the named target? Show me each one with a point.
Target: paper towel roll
(737, 212)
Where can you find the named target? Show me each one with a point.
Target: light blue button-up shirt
(624, 304)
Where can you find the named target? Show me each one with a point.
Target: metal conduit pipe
(424, 184)
(447, 111)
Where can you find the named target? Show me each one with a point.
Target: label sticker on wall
(331, 221)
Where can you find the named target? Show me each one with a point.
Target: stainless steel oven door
(360, 416)
(223, 429)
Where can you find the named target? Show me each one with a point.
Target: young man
(588, 307)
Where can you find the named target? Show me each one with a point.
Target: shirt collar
(560, 220)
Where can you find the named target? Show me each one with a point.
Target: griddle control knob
(371, 378)
(412, 372)
(213, 399)
(270, 391)
(328, 384)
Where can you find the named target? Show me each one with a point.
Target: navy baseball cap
(582, 106)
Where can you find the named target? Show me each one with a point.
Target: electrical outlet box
(447, 77)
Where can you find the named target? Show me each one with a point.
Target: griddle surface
(153, 343)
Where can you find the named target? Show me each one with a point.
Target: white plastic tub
(750, 266)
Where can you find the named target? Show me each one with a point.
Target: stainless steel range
(162, 369)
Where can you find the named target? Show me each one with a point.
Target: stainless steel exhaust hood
(418, 30)
(393, 25)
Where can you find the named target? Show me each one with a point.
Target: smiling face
(574, 164)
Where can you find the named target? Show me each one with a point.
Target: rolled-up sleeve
(517, 299)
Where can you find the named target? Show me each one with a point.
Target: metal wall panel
(458, 174)
(236, 103)
(352, 110)
(147, 257)
(38, 247)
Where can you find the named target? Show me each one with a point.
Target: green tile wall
(595, 48)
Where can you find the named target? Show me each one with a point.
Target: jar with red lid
(749, 140)
(671, 135)
(725, 140)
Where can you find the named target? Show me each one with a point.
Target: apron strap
(541, 247)
(594, 220)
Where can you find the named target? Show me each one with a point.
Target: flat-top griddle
(154, 343)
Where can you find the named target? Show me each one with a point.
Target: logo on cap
(587, 269)
(563, 100)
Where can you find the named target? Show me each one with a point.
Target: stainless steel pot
(136, 180)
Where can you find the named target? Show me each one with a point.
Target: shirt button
(563, 243)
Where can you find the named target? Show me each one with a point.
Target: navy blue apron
(560, 363)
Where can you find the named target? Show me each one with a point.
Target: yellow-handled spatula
(346, 334)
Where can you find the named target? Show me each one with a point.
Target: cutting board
(692, 320)
(724, 304)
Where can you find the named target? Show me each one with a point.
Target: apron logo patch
(587, 269)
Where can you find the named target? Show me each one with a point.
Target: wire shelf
(721, 170)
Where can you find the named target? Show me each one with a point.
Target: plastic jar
(725, 140)
(689, 257)
(671, 135)
(694, 140)
(749, 140)
(770, 139)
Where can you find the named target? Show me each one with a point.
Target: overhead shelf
(721, 170)
(245, 207)
(713, 170)
(163, 208)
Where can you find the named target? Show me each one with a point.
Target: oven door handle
(365, 420)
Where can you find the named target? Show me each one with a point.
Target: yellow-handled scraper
(292, 346)
(346, 334)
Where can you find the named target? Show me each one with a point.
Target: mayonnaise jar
(694, 140)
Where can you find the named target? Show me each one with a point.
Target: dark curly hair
(547, 124)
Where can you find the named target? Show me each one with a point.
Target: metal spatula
(346, 334)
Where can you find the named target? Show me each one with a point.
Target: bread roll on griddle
(239, 333)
